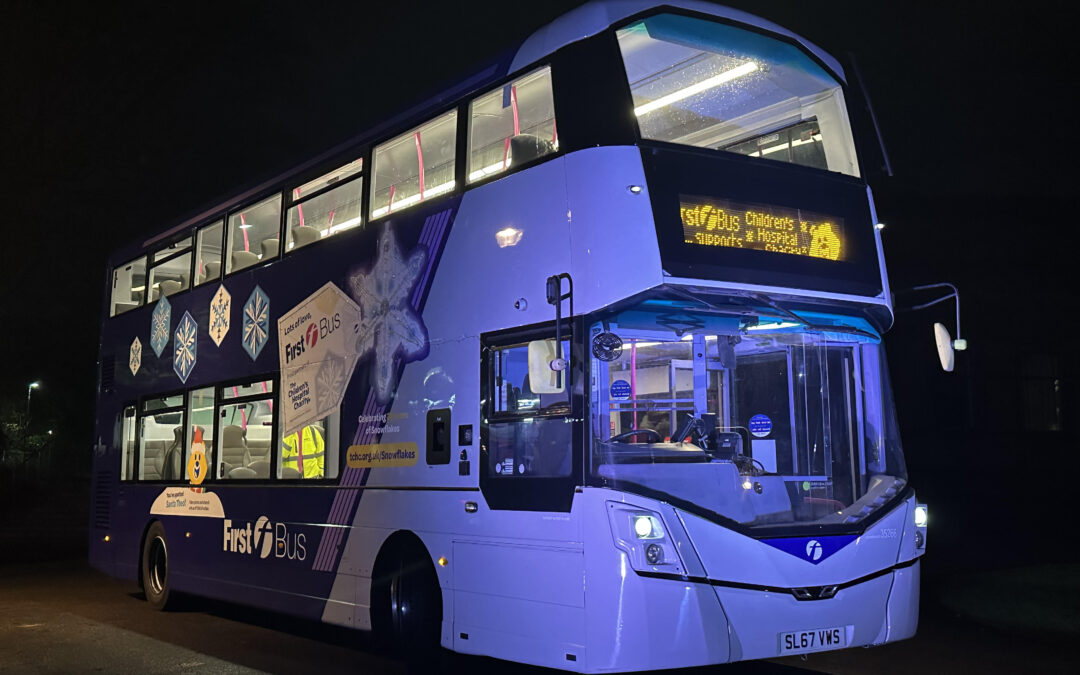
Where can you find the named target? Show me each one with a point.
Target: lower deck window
(311, 452)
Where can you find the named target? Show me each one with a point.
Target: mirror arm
(954, 294)
(555, 296)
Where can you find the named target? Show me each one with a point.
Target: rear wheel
(407, 601)
(155, 567)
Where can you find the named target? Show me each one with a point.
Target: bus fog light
(654, 554)
(919, 540)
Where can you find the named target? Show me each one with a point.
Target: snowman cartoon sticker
(197, 465)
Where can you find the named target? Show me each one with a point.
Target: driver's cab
(758, 419)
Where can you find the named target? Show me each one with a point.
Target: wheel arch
(400, 543)
(142, 547)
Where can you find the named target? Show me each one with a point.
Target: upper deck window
(328, 212)
(128, 286)
(415, 166)
(170, 269)
(710, 85)
(513, 124)
(253, 234)
(208, 253)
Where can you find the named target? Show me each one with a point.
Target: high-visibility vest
(307, 447)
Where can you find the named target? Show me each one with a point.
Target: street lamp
(29, 390)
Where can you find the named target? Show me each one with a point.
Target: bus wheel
(408, 601)
(155, 567)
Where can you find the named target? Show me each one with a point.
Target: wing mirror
(545, 368)
(946, 346)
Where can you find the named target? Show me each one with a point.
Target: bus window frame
(841, 81)
(220, 402)
(152, 264)
(141, 413)
(533, 493)
(134, 404)
(196, 249)
(280, 191)
(403, 129)
(291, 203)
(466, 113)
(145, 257)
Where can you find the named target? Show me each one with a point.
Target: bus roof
(577, 24)
(596, 16)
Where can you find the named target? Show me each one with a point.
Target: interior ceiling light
(697, 88)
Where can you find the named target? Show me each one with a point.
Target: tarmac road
(63, 617)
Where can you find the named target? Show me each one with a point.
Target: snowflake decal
(256, 323)
(135, 357)
(185, 345)
(389, 327)
(330, 382)
(220, 309)
(160, 321)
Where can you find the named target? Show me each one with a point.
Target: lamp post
(29, 390)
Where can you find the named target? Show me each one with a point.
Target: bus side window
(128, 286)
(415, 166)
(512, 125)
(311, 453)
(253, 234)
(528, 434)
(127, 444)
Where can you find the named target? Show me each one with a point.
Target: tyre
(155, 567)
(407, 602)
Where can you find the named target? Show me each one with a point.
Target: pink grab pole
(633, 381)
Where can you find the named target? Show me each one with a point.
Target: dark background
(118, 120)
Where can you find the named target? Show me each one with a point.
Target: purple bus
(578, 365)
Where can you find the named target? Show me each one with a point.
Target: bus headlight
(640, 533)
(920, 515)
(647, 526)
(921, 518)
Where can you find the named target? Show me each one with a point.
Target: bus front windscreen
(765, 423)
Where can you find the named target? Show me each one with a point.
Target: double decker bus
(578, 364)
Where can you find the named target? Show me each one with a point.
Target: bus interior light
(697, 88)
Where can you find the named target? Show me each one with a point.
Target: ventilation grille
(108, 374)
(102, 499)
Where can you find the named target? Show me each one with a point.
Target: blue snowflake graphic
(389, 327)
(160, 321)
(185, 345)
(256, 323)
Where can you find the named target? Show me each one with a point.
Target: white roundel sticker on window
(760, 426)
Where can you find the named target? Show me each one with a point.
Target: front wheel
(155, 567)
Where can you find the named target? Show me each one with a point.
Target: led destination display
(719, 222)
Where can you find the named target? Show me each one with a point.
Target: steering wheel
(653, 434)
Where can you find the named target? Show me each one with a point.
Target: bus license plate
(803, 641)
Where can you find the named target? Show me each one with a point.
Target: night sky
(120, 120)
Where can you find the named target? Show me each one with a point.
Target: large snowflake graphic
(185, 345)
(135, 356)
(220, 309)
(159, 325)
(330, 382)
(256, 323)
(389, 328)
